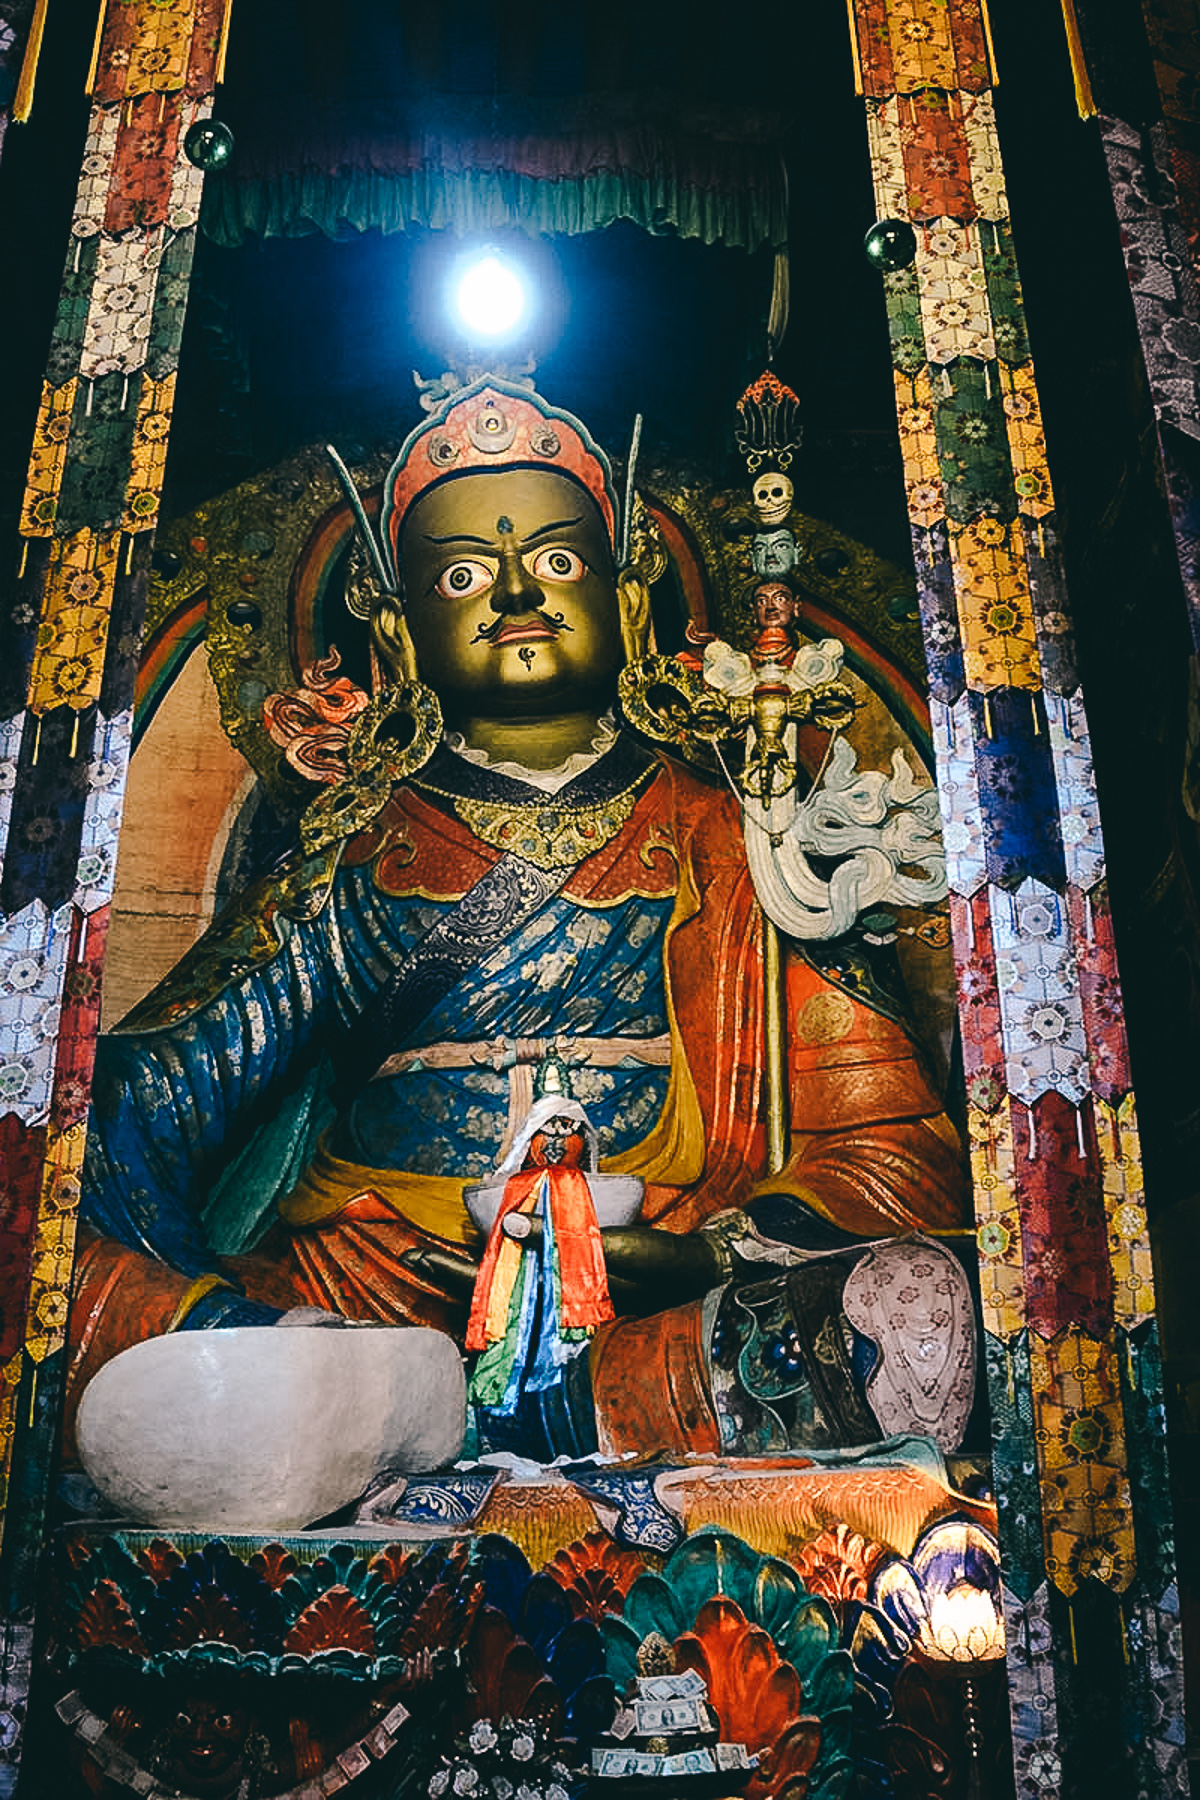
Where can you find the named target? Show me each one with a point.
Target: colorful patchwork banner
(1145, 94)
(91, 502)
(1067, 1282)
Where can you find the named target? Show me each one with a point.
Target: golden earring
(633, 600)
(393, 737)
(390, 633)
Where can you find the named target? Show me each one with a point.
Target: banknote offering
(671, 1716)
(690, 1762)
(658, 1716)
(684, 1686)
(614, 1764)
(734, 1756)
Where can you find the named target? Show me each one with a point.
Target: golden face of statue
(510, 596)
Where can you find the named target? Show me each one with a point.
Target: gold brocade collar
(549, 831)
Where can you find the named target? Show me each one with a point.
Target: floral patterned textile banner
(1150, 132)
(91, 502)
(1067, 1283)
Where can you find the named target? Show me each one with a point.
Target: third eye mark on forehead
(504, 525)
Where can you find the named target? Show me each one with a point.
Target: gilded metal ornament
(362, 584)
(670, 703)
(748, 711)
(647, 552)
(393, 738)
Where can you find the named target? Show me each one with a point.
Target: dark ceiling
(296, 339)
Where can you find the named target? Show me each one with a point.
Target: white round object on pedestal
(257, 1429)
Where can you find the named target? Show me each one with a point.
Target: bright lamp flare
(491, 297)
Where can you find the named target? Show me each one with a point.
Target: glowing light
(964, 1625)
(947, 1598)
(491, 297)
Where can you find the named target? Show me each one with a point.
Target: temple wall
(186, 782)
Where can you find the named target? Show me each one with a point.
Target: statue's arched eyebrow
(546, 530)
(465, 537)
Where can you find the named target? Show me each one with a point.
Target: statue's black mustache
(485, 633)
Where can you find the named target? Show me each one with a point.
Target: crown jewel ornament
(768, 429)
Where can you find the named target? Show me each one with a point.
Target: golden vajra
(746, 701)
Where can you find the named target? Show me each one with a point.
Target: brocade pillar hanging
(1144, 94)
(1094, 1659)
(90, 507)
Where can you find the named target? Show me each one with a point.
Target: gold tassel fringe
(991, 48)
(99, 39)
(858, 74)
(223, 44)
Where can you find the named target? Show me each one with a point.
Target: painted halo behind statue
(362, 1034)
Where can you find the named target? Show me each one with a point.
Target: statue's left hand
(660, 1269)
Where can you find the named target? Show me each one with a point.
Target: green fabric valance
(574, 175)
(477, 200)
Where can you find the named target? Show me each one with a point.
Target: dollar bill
(614, 1764)
(690, 1762)
(669, 1715)
(671, 1687)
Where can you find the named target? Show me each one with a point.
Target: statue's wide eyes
(556, 563)
(462, 579)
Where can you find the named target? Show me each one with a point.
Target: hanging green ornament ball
(209, 145)
(890, 244)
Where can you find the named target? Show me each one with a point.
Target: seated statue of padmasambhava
(367, 1019)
